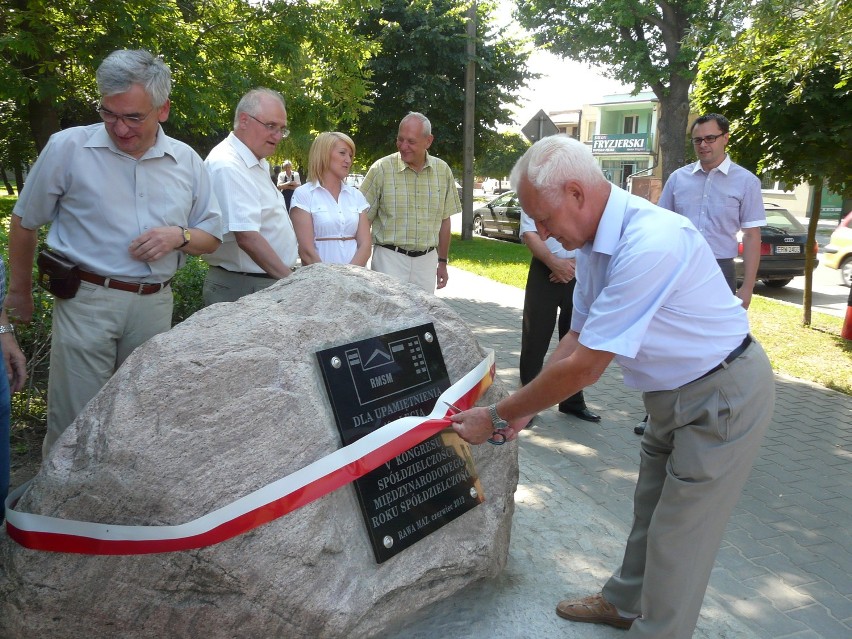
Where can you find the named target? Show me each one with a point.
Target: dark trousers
(543, 302)
(727, 267)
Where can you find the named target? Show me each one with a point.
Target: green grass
(504, 262)
(816, 354)
(6, 204)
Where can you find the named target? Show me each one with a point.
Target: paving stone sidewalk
(784, 568)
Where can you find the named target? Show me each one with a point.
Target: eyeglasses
(272, 128)
(709, 139)
(131, 121)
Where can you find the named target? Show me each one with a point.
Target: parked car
(838, 252)
(782, 249)
(501, 218)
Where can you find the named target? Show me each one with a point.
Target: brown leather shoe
(592, 609)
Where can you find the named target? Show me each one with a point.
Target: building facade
(622, 131)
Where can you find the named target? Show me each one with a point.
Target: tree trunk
(6, 183)
(674, 118)
(44, 121)
(19, 179)
(41, 113)
(816, 203)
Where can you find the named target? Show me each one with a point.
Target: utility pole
(469, 112)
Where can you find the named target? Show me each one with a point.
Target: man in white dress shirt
(651, 296)
(126, 203)
(259, 246)
(288, 181)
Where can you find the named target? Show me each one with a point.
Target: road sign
(540, 126)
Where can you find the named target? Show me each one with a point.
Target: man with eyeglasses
(126, 204)
(720, 198)
(259, 246)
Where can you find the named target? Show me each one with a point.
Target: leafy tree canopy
(216, 49)
(656, 44)
(789, 94)
(421, 67)
(502, 154)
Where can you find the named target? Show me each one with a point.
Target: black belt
(266, 275)
(391, 247)
(739, 350)
(140, 288)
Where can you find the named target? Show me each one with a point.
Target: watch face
(186, 234)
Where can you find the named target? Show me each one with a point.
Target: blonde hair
(319, 157)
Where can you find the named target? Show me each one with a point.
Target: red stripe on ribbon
(40, 538)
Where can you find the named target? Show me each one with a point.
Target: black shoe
(583, 413)
(639, 428)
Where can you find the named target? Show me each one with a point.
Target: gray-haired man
(126, 203)
(260, 245)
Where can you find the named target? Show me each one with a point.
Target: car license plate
(788, 249)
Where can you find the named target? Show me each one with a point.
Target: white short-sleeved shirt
(97, 199)
(283, 178)
(250, 202)
(332, 218)
(650, 291)
(552, 244)
(718, 202)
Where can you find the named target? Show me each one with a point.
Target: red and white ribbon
(259, 507)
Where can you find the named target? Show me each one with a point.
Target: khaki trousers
(696, 455)
(93, 334)
(421, 270)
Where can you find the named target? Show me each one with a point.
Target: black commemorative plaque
(373, 382)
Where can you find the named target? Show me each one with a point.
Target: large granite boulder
(225, 403)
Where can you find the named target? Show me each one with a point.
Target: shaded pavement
(784, 568)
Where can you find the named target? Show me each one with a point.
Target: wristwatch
(497, 421)
(7, 328)
(185, 237)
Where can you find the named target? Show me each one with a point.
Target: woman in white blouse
(329, 217)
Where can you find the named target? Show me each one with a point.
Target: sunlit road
(829, 296)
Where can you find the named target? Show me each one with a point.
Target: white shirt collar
(724, 167)
(246, 153)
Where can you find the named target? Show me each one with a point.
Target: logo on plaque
(373, 382)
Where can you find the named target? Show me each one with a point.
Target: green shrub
(187, 286)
